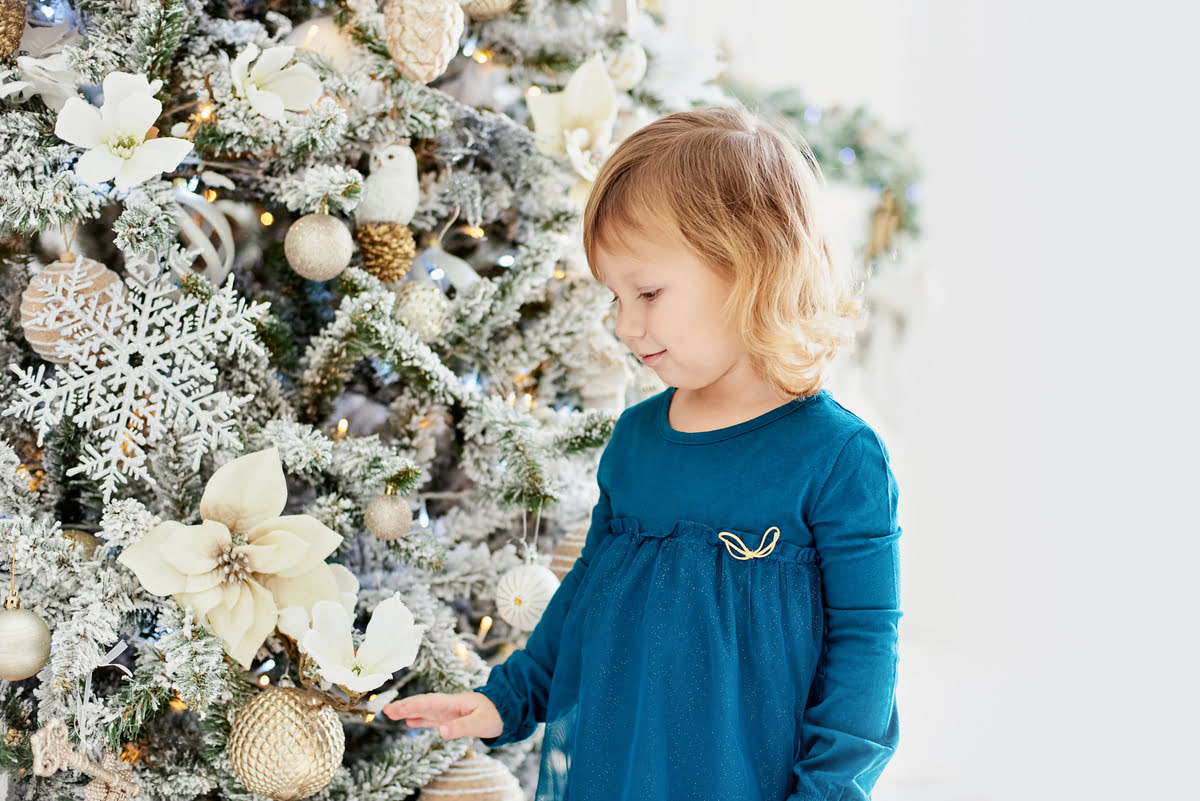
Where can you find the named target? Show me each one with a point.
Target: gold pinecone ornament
(12, 26)
(474, 778)
(286, 744)
(422, 36)
(387, 249)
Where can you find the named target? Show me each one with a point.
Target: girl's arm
(520, 687)
(850, 726)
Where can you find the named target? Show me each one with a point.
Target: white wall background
(1045, 440)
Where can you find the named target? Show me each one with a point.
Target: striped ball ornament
(567, 551)
(474, 778)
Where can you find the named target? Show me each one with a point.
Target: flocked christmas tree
(306, 380)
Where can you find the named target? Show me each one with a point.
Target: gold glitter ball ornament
(12, 26)
(24, 641)
(567, 551)
(388, 517)
(423, 308)
(286, 744)
(46, 316)
(474, 778)
(422, 36)
(486, 9)
(523, 595)
(387, 249)
(318, 246)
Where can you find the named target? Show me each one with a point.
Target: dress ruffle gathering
(705, 645)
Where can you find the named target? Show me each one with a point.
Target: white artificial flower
(391, 643)
(45, 70)
(238, 585)
(294, 621)
(270, 87)
(578, 121)
(115, 135)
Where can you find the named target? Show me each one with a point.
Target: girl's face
(668, 305)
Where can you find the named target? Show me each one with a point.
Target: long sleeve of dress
(851, 726)
(520, 686)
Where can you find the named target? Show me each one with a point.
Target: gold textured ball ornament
(12, 26)
(44, 318)
(388, 517)
(286, 744)
(24, 641)
(422, 36)
(318, 246)
(475, 777)
(567, 551)
(387, 249)
(523, 595)
(486, 9)
(423, 308)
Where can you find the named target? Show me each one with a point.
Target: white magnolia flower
(391, 642)
(116, 134)
(244, 562)
(270, 87)
(45, 70)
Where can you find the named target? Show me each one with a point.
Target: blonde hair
(740, 195)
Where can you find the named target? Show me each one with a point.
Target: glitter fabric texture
(730, 629)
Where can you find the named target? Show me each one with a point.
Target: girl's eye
(613, 299)
(651, 295)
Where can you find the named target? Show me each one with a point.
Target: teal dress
(730, 629)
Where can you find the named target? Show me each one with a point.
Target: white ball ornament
(523, 594)
(318, 246)
(423, 308)
(627, 67)
(461, 273)
(24, 641)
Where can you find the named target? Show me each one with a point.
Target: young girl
(729, 631)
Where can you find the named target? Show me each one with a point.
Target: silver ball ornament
(388, 517)
(24, 642)
(318, 246)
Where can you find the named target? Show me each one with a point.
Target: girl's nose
(629, 325)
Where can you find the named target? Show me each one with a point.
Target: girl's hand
(468, 714)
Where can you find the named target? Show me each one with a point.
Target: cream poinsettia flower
(270, 87)
(578, 121)
(294, 621)
(244, 562)
(117, 136)
(391, 642)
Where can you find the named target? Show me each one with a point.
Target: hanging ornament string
(437, 240)
(69, 241)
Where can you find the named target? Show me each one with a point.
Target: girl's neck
(695, 411)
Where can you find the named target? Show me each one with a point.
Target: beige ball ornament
(486, 9)
(286, 744)
(422, 36)
(318, 246)
(24, 641)
(388, 517)
(45, 314)
(474, 778)
(567, 551)
(523, 595)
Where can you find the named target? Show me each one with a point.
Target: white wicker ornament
(423, 309)
(422, 36)
(567, 551)
(285, 743)
(24, 641)
(388, 517)
(391, 192)
(486, 9)
(46, 318)
(318, 246)
(523, 594)
(627, 66)
(474, 778)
